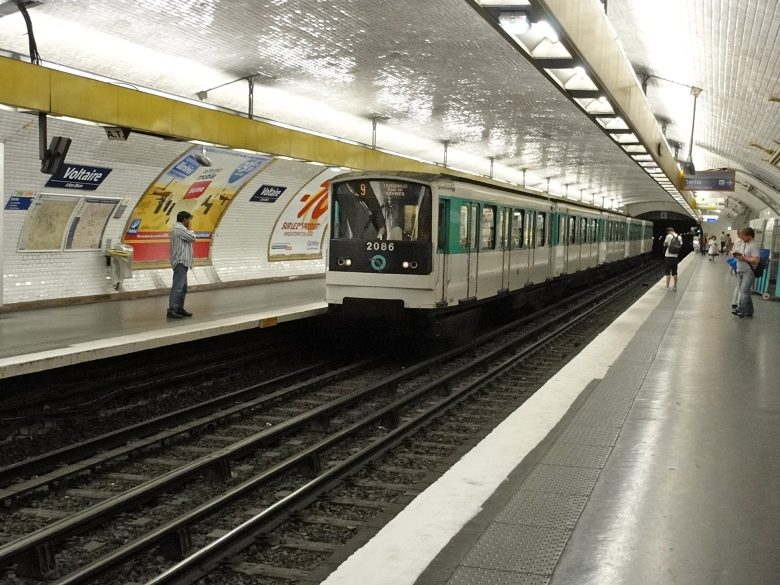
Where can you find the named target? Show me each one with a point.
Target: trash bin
(121, 262)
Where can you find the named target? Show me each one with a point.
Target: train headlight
(348, 262)
(405, 264)
(344, 262)
(413, 265)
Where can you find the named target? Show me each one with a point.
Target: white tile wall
(240, 247)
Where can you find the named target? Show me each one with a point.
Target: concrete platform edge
(406, 546)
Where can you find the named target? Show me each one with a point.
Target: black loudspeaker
(55, 155)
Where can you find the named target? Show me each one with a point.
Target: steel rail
(69, 453)
(200, 563)
(310, 456)
(98, 513)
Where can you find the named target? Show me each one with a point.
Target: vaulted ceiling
(437, 79)
(731, 50)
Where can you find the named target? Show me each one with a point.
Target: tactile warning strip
(477, 576)
(529, 528)
(543, 509)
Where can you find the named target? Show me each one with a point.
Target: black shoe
(184, 313)
(173, 315)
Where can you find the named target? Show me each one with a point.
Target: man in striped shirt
(182, 238)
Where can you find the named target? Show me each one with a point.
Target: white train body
(436, 241)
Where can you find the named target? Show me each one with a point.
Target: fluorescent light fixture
(543, 28)
(514, 22)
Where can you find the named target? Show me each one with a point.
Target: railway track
(275, 458)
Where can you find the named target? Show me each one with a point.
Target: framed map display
(89, 222)
(66, 222)
(47, 222)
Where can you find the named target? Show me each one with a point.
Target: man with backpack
(748, 261)
(672, 249)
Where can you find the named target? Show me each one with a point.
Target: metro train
(433, 242)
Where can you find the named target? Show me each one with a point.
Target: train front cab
(381, 244)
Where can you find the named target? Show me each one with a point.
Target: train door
(504, 220)
(559, 244)
(518, 267)
(469, 222)
(443, 251)
(541, 248)
(602, 245)
(528, 244)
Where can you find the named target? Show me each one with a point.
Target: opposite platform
(33, 341)
(663, 469)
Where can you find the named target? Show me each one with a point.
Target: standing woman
(713, 248)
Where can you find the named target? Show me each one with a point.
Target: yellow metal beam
(32, 87)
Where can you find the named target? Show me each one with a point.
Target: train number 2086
(376, 246)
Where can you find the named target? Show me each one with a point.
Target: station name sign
(712, 180)
(78, 177)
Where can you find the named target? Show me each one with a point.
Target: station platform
(650, 458)
(43, 339)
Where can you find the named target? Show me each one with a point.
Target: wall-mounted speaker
(55, 154)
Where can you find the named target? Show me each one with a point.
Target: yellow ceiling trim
(37, 88)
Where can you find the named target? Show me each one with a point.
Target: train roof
(484, 182)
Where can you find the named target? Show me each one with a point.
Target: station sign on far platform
(712, 180)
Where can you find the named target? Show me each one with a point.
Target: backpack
(675, 245)
(758, 269)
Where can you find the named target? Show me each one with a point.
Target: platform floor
(33, 341)
(652, 458)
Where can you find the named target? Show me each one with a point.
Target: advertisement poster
(300, 229)
(203, 181)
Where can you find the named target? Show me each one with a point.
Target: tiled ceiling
(433, 71)
(730, 49)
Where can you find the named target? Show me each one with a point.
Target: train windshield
(382, 209)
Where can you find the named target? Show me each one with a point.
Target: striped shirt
(181, 245)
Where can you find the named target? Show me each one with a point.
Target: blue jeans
(745, 282)
(178, 288)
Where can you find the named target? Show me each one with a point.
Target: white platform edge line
(124, 344)
(404, 548)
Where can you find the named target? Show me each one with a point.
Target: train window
(561, 229)
(572, 230)
(473, 225)
(503, 220)
(383, 209)
(548, 229)
(488, 228)
(517, 229)
(541, 228)
(464, 226)
(583, 230)
(444, 221)
(528, 236)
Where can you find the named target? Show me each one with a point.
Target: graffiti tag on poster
(300, 229)
(202, 181)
